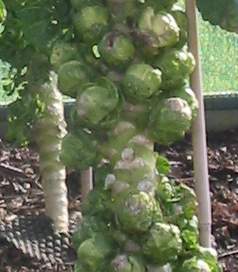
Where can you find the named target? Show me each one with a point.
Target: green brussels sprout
(62, 52)
(135, 211)
(116, 49)
(117, 140)
(141, 82)
(124, 263)
(122, 9)
(98, 204)
(91, 22)
(195, 265)
(71, 78)
(176, 66)
(161, 29)
(97, 101)
(163, 243)
(209, 255)
(170, 120)
(79, 151)
(188, 95)
(92, 252)
(88, 228)
(180, 16)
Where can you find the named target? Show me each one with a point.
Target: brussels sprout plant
(136, 219)
(127, 65)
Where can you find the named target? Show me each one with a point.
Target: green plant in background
(219, 55)
(37, 115)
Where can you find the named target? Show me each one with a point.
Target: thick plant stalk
(51, 128)
(199, 134)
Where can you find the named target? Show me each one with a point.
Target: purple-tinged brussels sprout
(188, 95)
(163, 243)
(141, 81)
(176, 66)
(72, 77)
(135, 211)
(116, 49)
(124, 263)
(62, 52)
(170, 120)
(97, 101)
(91, 23)
(160, 29)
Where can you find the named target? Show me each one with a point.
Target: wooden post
(86, 183)
(199, 134)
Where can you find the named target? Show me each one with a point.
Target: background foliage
(219, 53)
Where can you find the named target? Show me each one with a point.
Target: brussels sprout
(170, 120)
(98, 204)
(141, 82)
(188, 95)
(97, 101)
(79, 151)
(141, 159)
(161, 28)
(209, 255)
(117, 140)
(135, 211)
(71, 78)
(91, 23)
(195, 265)
(163, 243)
(92, 252)
(124, 263)
(176, 66)
(116, 49)
(89, 228)
(181, 18)
(122, 9)
(62, 52)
